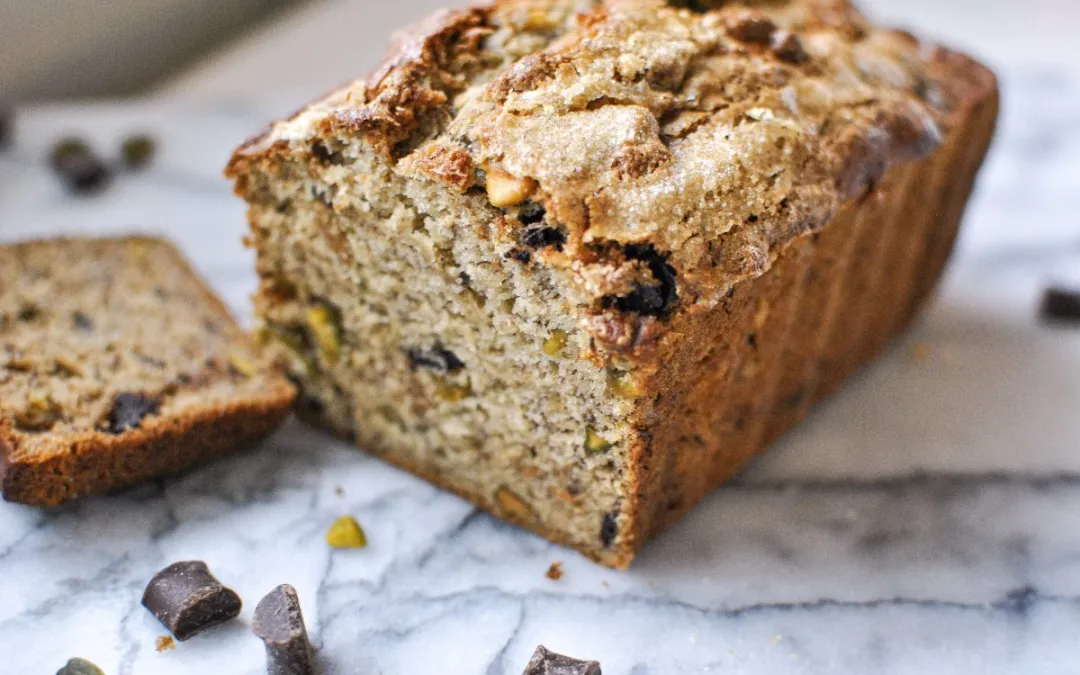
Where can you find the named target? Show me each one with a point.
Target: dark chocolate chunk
(28, 312)
(519, 255)
(325, 154)
(65, 148)
(1061, 305)
(128, 411)
(544, 237)
(438, 358)
(788, 47)
(82, 322)
(78, 166)
(7, 126)
(531, 213)
(137, 151)
(279, 623)
(699, 6)
(609, 528)
(187, 599)
(654, 299)
(77, 666)
(544, 662)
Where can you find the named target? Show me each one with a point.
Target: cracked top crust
(712, 132)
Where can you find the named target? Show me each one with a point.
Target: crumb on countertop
(555, 572)
(164, 643)
(920, 351)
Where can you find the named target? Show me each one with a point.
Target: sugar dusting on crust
(650, 121)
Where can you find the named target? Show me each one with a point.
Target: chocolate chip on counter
(279, 623)
(137, 151)
(82, 322)
(788, 47)
(77, 666)
(609, 528)
(78, 166)
(544, 662)
(187, 599)
(128, 411)
(7, 126)
(1061, 305)
(437, 358)
(65, 148)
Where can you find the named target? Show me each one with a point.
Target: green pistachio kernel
(324, 328)
(594, 442)
(624, 386)
(453, 393)
(556, 342)
(77, 666)
(345, 532)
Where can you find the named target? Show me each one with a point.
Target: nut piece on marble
(544, 662)
(77, 165)
(187, 599)
(1061, 305)
(77, 666)
(137, 151)
(279, 624)
(345, 532)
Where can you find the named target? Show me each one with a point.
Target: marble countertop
(925, 520)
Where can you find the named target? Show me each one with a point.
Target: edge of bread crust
(653, 481)
(443, 109)
(98, 463)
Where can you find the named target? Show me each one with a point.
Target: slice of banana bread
(579, 261)
(118, 364)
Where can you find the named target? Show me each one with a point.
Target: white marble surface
(923, 521)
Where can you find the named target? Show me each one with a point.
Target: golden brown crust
(618, 115)
(100, 463)
(744, 373)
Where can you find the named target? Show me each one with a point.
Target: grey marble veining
(925, 520)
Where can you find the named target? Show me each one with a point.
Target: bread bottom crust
(161, 447)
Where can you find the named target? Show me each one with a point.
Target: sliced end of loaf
(118, 364)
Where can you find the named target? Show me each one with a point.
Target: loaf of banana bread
(580, 260)
(117, 364)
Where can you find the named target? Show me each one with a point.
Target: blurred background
(293, 49)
